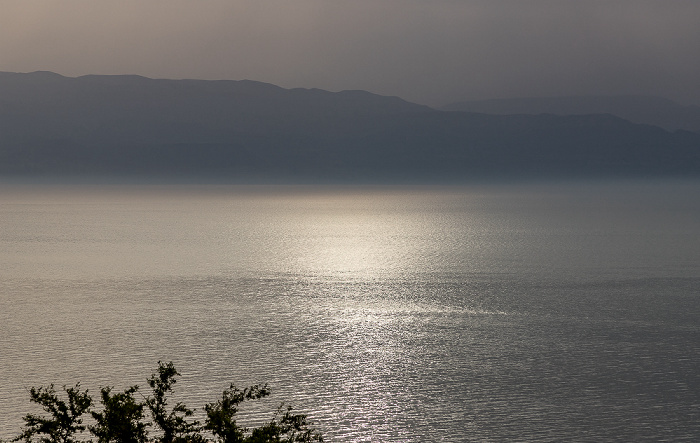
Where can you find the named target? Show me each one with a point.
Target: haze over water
(532, 312)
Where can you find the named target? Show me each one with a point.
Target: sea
(565, 311)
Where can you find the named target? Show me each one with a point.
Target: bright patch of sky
(432, 52)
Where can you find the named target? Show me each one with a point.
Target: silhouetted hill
(245, 130)
(637, 109)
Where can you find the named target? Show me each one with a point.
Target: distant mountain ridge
(253, 131)
(648, 110)
(247, 95)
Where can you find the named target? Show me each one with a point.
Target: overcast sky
(428, 51)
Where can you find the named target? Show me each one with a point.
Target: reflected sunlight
(352, 236)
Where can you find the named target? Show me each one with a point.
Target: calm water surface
(534, 312)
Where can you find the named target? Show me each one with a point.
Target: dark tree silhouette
(221, 416)
(172, 423)
(66, 416)
(285, 427)
(121, 418)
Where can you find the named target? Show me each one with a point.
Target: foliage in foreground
(123, 418)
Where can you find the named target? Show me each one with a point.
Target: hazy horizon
(425, 52)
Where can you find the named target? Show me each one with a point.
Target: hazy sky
(429, 51)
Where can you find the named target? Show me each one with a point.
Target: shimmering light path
(533, 313)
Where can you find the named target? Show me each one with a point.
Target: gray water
(531, 312)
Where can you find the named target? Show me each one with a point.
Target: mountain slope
(638, 109)
(244, 130)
